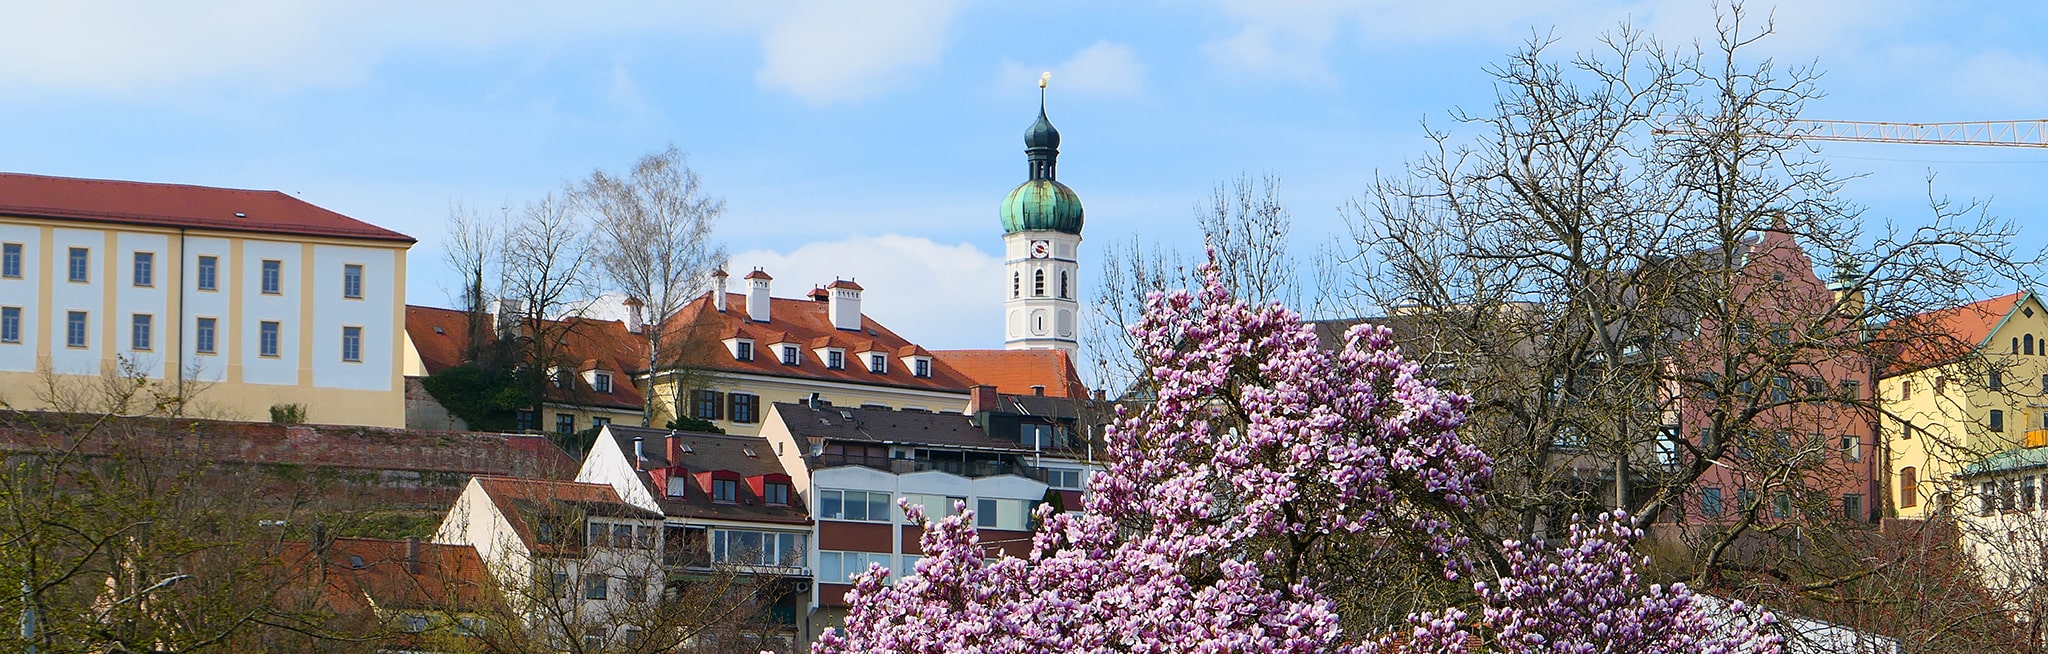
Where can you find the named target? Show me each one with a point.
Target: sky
(873, 140)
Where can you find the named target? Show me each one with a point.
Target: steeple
(1042, 241)
(1042, 142)
(1042, 203)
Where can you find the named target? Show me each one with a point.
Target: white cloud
(1103, 69)
(824, 51)
(936, 295)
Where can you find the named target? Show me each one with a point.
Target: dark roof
(701, 328)
(708, 453)
(1016, 371)
(887, 426)
(179, 205)
(1045, 406)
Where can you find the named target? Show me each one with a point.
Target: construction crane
(2005, 133)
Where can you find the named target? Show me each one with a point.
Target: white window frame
(868, 505)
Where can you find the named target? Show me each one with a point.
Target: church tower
(1041, 245)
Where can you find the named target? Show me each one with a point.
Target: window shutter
(732, 404)
(718, 400)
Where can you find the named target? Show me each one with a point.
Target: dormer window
(725, 490)
(563, 378)
(776, 493)
(878, 363)
(676, 487)
(835, 359)
(790, 355)
(602, 382)
(921, 367)
(744, 351)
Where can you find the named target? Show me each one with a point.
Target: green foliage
(578, 443)
(288, 414)
(486, 398)
(696, 425)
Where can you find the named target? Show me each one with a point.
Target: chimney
(510, 313)
(981, 398)
(1038, 389)
(844, 305)
(639, 451)
(674, 448)
(412, 554)
(718, 289)
(634, 317)
(757, 295)
(1101, 395)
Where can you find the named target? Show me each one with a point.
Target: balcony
(2037, 437)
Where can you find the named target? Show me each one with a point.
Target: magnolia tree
(1211, 528)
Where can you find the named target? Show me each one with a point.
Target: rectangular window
(622, 535)
(10, 260)
(1063, 478)
(352, 344)
(935, 506)
(878, 363)
(10, 324)
(602, 382)
(202, 336)
(596, 587)
(1997, 420)
(923, 367)
(1987, 498)
(842, 567)
(1909, 487)
(1852, 507)
(600, 421)
(526, 420)
(1997, 380)
(597, 534)
(209, 273)
(1013, 515)
(74, 329)
(266, 338)
(857, 506)
(744, 351)
(835, 359)
(141, 332)
(1037, 437)
(776, 493)
(677, 486)
(79, 265)
(746, 407)
(725, 490)
(709, 405)
(273, 277)
(759, 547)
(636, 591)
(1852, 449)
(1781, 505)
(2027, 493)
(565, 423)
(145, 269)
(1745, 500)
(789, 355)
(1710, 502)
(352, 281)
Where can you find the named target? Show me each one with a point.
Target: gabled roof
(179, 205)
(523, 502)
(442, 335)
(707, 453)
(365, 574)
(1945, 335)
(1016, 371)
(700, 325)
(848, 424)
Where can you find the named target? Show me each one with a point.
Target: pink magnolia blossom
(1206, 529)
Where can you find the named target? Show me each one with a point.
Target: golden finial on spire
(1042, 79)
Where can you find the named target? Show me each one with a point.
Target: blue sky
(873, 140)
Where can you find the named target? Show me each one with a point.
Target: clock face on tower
(1041, 249)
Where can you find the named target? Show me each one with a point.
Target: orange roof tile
(178, 205)
(1944, 335)
(442, 335)
(800, 321)
(361, 574)
(1016, 371)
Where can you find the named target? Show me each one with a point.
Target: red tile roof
(179, 205)
(363, 574)
(701, 326)
(524, 501)
(1944, 335)
(442, 335)
(1016, 371)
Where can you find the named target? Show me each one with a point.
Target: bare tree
(549, 273)
(653, 229)
(472, 251)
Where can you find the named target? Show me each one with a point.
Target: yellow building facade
(237, 301)
(1985, 394)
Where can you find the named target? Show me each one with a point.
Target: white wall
(332, 311)
(71, 296)
(153, 300)
(257, 308)
(606, 464)
(23, 293)
(209, 304)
